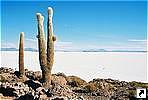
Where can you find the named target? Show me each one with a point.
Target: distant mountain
(9, 49)
(31, 49)
(127, 51)
(88, 50)
(95, 50)
(103, 50)
(15, 49)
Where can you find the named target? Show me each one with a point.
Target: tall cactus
(46, 59)
(21, 55)
(41, 44)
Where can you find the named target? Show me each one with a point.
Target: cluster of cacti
(46, 56)
(21, 55)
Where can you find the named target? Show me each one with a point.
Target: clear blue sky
(97, 24)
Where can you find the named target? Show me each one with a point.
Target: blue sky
(110, 25)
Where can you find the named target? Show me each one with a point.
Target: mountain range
(86, 50)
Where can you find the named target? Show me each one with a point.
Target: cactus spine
(46, 60)
(21, 55)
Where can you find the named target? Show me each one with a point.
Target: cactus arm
(50, 42)
(41, 41)
(21, 55)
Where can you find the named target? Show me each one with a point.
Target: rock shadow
(17, 73)
(8, 91)
(26, 97)
(32, 84)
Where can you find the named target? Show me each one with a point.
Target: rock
(57, 90)
(41, 90)
(36, 97)
(59, 98)
(64, 88)
(43, 97)
(6, 70)
(33, 75)
(7, 77)
(61, 74)
(37, 75)
(75, 81)
(1, 94)
(59, 80)
(26, 89)
(81, 98)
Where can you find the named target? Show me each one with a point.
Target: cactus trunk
(46, 60)
(21, 55)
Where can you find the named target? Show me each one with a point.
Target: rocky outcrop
(64, 87)
(75, 81)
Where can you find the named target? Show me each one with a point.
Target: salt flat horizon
(123, 66)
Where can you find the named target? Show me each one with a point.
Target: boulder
(75, 81)
(60, 80)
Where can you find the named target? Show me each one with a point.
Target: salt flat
(127, 66)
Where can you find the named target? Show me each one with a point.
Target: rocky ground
(64, 87)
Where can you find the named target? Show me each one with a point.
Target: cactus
(21, 55)
(41, 44)
(46, 58)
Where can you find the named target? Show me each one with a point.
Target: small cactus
(21, 55)
(46, 60)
